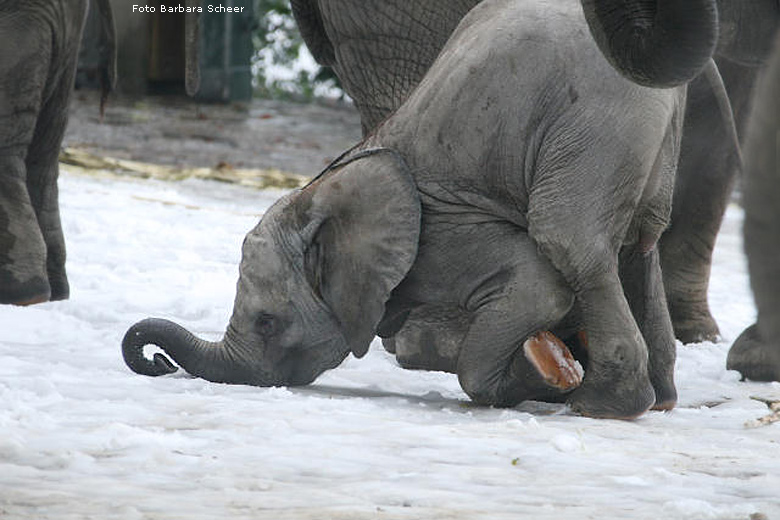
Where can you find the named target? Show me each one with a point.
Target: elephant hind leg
(42, 177)
(24, 73)
(506, 357)
(23, 279)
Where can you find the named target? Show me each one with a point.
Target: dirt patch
(292, 137)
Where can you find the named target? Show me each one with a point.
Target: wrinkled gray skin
(756, 353)
(381, 50)
(511, 199)
(38, 55)
(709, 164)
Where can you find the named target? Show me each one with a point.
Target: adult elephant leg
(706, 175)
(42, 176)
(640, 274)
(756, 353)
(23, 279)
(24, 66)
(501, 360)
(42, 161)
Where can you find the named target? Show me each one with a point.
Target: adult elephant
(500, 189)
(709, 164)
(756, 353)
(37, 70)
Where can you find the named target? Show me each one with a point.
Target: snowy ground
(81, 437)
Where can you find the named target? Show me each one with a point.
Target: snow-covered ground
(82, 437)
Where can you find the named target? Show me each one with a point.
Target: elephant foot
(665, 392)
(23, 277)
(60, 288)
(612, 398)
(389, 345)
(693, 323)
(553, 361)
(30, 292)
(753, 357)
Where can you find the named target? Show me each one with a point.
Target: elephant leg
(505, 356)
(578, 215)
(641, 277)
(23, 279)
(431, 338)
(24, 67)
(756, 353)
(42, 176)
(705, 176)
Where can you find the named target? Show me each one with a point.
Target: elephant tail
(715, 80)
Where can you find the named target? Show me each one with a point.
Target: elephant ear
(309, 20)
(368, 225)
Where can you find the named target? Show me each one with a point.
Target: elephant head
(314, 278)
(656, 43)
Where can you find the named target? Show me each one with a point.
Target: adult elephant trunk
(216, 361)
(655, 43)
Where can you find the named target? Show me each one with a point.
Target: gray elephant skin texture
(756, 353)
(38, 55)
(381, 50)
(710, 164)
(516, 202)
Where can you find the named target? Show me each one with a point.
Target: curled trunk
(656, 43)
(214, 361)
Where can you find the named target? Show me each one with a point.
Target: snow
(85, 438)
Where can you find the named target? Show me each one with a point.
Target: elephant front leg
(640, 274)
(617, 382)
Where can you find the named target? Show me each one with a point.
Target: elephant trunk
(216, 361)
(655, 43)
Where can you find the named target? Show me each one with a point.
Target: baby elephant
(38, 57)
(519, 190)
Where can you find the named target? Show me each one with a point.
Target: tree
(283, 66)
